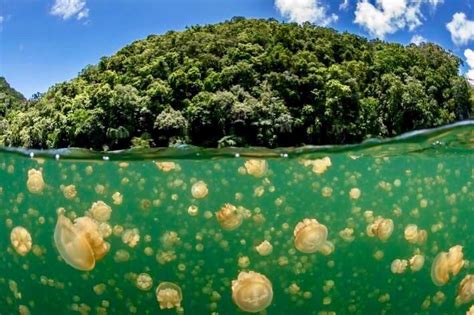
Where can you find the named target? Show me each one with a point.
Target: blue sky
(43, 42)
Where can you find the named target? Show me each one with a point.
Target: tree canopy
(246, 82)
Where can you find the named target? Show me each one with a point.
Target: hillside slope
(247, 82)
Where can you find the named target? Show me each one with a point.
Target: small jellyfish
(229, 217)
(416, 262)
(79, 244)
(455, 259)
(320, 166)
(166, 166)
(35, 182)
(256, 168)
(381, 228)
(347, 234)
(252, 292)
(355, 193)
(21, 240)
(169, 295)
(465, 290)
(144, 282)
(399, 266)
(131, 237)
(100, 211)
(199, 190)
(117, 198)
(470, 311)
(411, 233)
(69, 191)
(310, 236)
(264, 248)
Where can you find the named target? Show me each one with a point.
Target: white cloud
(418, 39)
(300, 11)
(69, 8)
(1, 19)
(388, 16)
(344, 5)
(469, 54)
(461, 29)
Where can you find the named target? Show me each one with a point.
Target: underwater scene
(385, 227)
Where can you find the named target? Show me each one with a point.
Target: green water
(425, 179)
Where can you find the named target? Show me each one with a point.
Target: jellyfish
(21, 240)
(199, 190)
(252, 292)
(355, 193)
(411, 233)
(144, 282)
(166, 166)
(100, 211)
(319, 165)
(416, 262)
(256, 168)
(69, 191)
(229, 217)
(264, 248)
(399, 266)
(381, 228)
(169, 295)
(446, 263)
(470, 311)
(79, 244)
(310, 236)
(465, 290)
(35, 182)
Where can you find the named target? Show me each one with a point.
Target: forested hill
(9, 97)
(247, 82)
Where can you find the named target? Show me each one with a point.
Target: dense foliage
(9, 98)
(246, 82)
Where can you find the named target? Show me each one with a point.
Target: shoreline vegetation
(243, 82)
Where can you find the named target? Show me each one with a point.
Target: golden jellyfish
(166, 166)
(79, 244)
(399, 266)
(319, 166)
(381, 228)
(416, 262)
(465, 290)
(252, 292)
(347, 234)
(256, 168)
(169, 295)
(446, 263)
(229, 217)
(355, 193)
(470, 311)
(310, 236)
(69, 191)
(21, 240)
(35, 182)
(144, 282)
(100, 211)
(131, 237)
(414, 235)
(199, 190)
(117, 198)
(264, 248)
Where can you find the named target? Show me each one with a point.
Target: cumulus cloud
(469, 54)
(69, 8)
(300, 11)
(344, 5)
(461, 29)
(418, 39)
(388, 16)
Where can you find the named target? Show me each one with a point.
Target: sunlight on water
(386, 227)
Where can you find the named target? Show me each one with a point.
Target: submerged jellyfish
(413, 235)
(311, 236)
(446, 263)
(100, 211)
(399, 266)
(381, 228)
(169, 295)
(199, 190)
(144, 282)
(252, 292)
(21, 240)
(166, 166)
(35, 182)
(256, 168)
(79, 244)
(229, 217)
(465, 290)
(416, 262)
(264, 248)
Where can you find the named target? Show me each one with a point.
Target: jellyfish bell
(252, 292)
(399, 266)
(411, 233)
(264, 248)
(455, 259)
(169, 295)
(79, 244)
(35, 182)
(417, 262)
(73, 245)
(310, 236)
(440, 269)
(229, 217)
(256, 168)
(100, 211)
(21, 240)
(327, 248)
(385, 229)
(465, 290)
(199, 190)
